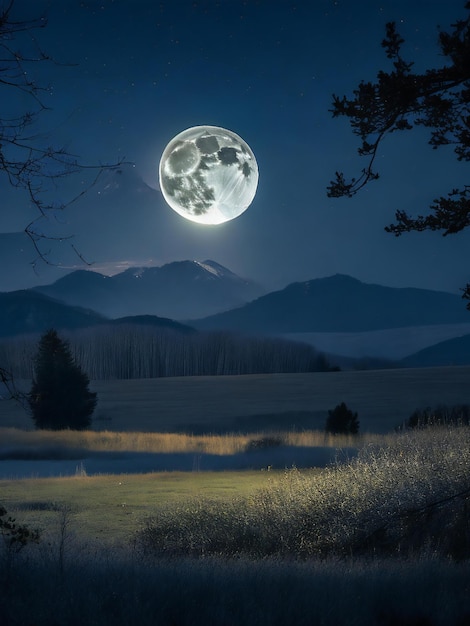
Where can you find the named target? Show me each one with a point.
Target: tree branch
(438, 99)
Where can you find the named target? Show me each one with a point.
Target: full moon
(208, 174)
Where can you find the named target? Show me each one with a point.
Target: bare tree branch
(29, 163)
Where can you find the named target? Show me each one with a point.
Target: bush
(262, 443)
(408, 498)
(16, 535)
(342, 420)
(458, 415)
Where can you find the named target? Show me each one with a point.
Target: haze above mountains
(338, 315)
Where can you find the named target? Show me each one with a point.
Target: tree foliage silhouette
(16, 535)
(59, 397)
(438, 99)
(342, 420)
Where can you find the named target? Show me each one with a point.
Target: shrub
(406, 498)
(16, 535)
(264, 442)
(342, 420)
(458, 415)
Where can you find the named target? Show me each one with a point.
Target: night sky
(133, 74)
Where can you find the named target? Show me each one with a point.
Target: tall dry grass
(228, 444)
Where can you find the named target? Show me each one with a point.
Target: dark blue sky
(137, 72)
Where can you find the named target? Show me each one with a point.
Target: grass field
(117, 546)
(397, 471)
(111, 508)
(256, 537)
(382, 398)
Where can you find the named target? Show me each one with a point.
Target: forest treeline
(131, 351)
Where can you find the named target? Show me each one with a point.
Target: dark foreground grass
(121, 589)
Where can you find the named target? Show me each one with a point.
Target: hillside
(29, 312)
(340, 304)
(454, 351)
(25, 312)
(390, 344)
(178, 290)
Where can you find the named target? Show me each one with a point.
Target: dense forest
(132, 351)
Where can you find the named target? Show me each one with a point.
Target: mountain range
(25, 311)
(338, 315)
(340, 303)
(455, 351)
(212, 297)
(178, 290)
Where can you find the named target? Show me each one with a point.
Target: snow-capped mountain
(120, 222)
(179, 290)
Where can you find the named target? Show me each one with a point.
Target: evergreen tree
(59, 396)
(342, 420)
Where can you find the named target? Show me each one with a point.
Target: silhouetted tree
(438, 99)
(59, 396)
(438, 416)
(342, 420)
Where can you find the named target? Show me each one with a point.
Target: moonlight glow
(208, 174)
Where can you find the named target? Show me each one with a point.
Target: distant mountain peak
(179, 290)
(335, 279)
(340, 303)
(209, 268)
(343, 277)
(217, 269)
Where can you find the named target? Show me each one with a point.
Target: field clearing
(253, 403)
(275, 547)
(111, 508)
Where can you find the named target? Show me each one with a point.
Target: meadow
(252, 403)
(379, 535)
(382, 539)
